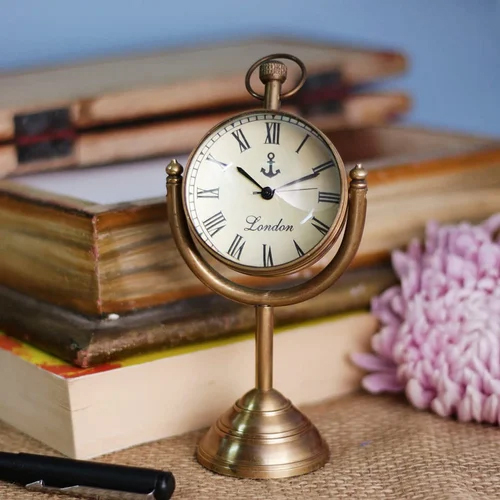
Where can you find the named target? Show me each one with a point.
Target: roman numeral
(242, 140)
(320, 226)
(299, 250)
(207, 193)
(302, 143)
(214, 224)
(323, 166)
(328, 197)
(220, 163)
(273, 133)
(236, 247)
(267, 256)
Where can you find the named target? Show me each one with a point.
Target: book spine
(85, 341)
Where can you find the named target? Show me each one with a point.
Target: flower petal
(372, 362)
(382, 382)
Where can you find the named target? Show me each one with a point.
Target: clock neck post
(272, 74)
(264, 347)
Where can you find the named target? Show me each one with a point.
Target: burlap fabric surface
(380, 448)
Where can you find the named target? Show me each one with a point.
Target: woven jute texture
(380, 448)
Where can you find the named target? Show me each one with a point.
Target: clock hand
(289, 190)
(297, 189)
(249, 177)
(266, 192)
(305, 178)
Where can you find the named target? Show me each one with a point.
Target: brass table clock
(265, 193)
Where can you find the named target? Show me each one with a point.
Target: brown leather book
(147, 105)
(95, 245)
(89, 341)
(98, 242)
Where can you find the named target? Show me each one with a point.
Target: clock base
(263, 436)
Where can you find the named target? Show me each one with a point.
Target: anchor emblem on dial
(270, 172)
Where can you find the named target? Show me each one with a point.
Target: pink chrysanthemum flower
(439, 339)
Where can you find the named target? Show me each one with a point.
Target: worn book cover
(92, 273)
(145, 105)
(98, 242)
(89, 341)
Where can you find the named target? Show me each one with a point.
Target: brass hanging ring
(256, 64)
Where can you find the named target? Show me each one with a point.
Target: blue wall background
(454, 45)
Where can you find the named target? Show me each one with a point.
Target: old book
(145, 140)
(98, 242)
(87, 341)
(86, 413)
(150, 104)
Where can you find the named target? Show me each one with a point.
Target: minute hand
(305, 178)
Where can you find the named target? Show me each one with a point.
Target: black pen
(85, 479)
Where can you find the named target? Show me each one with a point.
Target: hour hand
(249, 177)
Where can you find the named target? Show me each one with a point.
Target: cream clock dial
(263, 191)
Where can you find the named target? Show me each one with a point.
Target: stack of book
(100, 314)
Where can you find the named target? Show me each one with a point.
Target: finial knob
(358, 173)
(174, 172)
(174, 168)
(358, 177)
(272, 70)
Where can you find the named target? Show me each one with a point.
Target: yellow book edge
(58, 367)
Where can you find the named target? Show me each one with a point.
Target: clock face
(265, 191)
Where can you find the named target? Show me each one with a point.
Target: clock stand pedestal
(263, 435)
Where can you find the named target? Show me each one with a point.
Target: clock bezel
(311, 256)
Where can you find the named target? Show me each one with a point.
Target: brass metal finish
(273, 57)
(272, 95)
(272, 74)
(263, 435)
(311, 256)
(174, 171)
(272, 70)
(264, 347)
